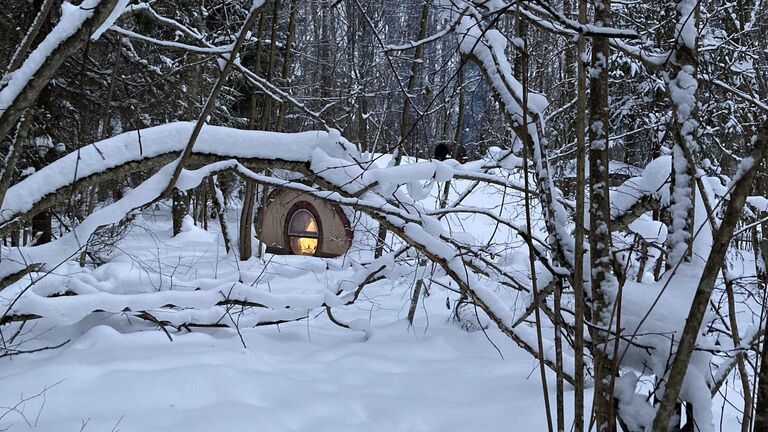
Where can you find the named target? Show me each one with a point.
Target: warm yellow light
(303, 232)
(311, 226)
(304, 245)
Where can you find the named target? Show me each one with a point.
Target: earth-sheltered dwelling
(295, 223)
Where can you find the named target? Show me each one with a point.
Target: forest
(384, 215)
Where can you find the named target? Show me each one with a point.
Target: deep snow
(122, 373)
(308, 375)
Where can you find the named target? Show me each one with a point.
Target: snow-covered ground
(302, 377)
(309, 375)
(123, 373)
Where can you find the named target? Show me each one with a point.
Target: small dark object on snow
(461, 154)
(442, 152)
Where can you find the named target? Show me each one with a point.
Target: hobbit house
(294, 223)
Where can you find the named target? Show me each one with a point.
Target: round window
(303, 232)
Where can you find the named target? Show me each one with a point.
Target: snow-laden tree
(643, 258)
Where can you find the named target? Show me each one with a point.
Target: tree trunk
(415, 300)
(326, 58)
(218, 205)
(761, 409)
(17, 146)
(457, 132)
(106, 128)
(245, 234)
(266, 114)
(178, 210)
(682, 90)
(286, 72)
(245, 245)
(527, 147)
(578, 269)
(604, 284)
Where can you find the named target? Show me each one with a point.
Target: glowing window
(303, 233)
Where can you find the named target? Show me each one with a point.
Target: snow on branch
(117, 12)
(165, 140)
(325, 157)
(652, 183)
(487, 46)
(545, 10)
(170, 44)
(25, 83)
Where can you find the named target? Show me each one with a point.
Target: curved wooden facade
(332, 232)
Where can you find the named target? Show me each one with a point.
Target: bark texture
(604, 285)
